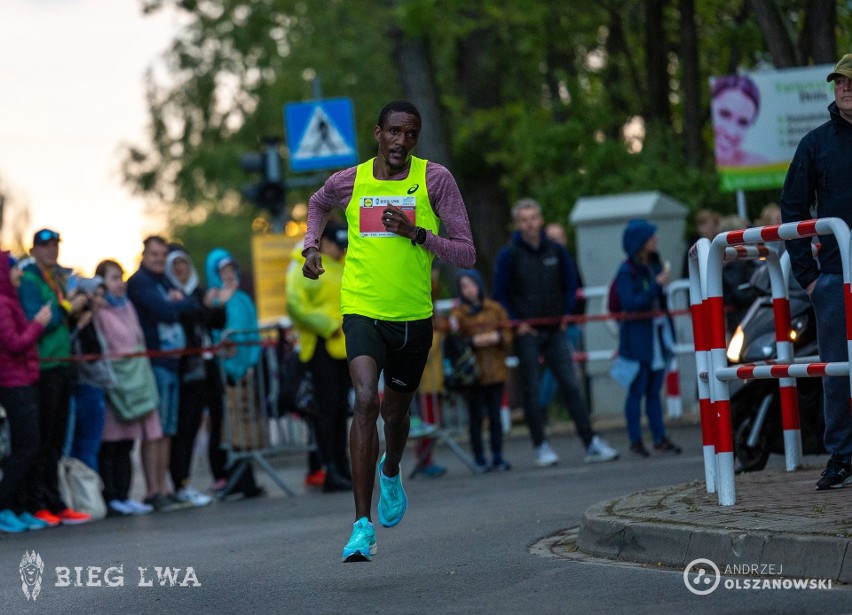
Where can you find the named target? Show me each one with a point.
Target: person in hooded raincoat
(645, 344)
(239, 363)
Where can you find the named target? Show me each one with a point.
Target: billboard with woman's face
(759, 119)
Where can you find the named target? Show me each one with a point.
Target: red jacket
(18, 337)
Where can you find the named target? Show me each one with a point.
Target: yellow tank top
(386, 277)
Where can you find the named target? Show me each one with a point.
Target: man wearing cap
(314, 307)
(820, 174)
(394, 204)
(43, 283)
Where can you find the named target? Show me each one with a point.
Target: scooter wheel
(748, 458)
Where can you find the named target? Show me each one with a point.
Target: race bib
(372, 207)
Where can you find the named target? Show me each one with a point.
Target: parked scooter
(756, 404)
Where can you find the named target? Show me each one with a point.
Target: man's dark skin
(396, 139)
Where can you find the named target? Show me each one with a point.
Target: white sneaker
(134, 507)
(599, 450)
(544, 455)
(193, 496)
(120, 507)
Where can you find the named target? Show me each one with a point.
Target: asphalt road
(468, 544)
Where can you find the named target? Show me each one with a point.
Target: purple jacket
(18, 337)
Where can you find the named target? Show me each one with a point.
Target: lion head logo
(32, 566)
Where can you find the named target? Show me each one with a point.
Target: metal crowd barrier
(677, 296)
(254, 429)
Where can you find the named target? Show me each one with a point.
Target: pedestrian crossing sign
(321, 134)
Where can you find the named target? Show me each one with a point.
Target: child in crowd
(483, 324)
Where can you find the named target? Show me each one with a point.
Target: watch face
(421, 235)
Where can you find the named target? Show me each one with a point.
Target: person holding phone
(645, 344)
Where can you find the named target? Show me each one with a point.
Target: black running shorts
(399, 348)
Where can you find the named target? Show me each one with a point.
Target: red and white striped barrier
(708, 274)
(784, 347)
(505, 412)
(797, 370)
(784, 352)
(674, 406)
(697, 272)
(674, 402)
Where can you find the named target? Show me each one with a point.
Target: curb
(604, 533)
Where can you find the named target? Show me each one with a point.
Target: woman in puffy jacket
(19, 372)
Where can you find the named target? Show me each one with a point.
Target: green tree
(543, 99)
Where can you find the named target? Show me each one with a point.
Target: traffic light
(269, 192)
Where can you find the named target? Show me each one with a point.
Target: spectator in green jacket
(43, 283)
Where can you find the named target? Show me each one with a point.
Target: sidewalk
(779, 519)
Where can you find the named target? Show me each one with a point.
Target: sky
(71, 92)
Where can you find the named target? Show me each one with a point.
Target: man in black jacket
(819, 173)
(536, 280)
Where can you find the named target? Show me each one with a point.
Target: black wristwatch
(419, 236)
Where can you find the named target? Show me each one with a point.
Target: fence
(705, 270)
(254, 427)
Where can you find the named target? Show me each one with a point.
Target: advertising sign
(759, 119)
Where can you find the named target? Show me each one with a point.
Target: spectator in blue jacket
(239, 362)
(240, 314)
(160, 306)
(645, 344)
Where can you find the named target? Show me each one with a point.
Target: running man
(393, 204)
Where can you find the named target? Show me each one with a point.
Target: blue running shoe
(392, 500)
(9, 523)
(32, 523)
(362, 544)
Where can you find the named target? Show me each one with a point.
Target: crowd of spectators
(93, 367)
